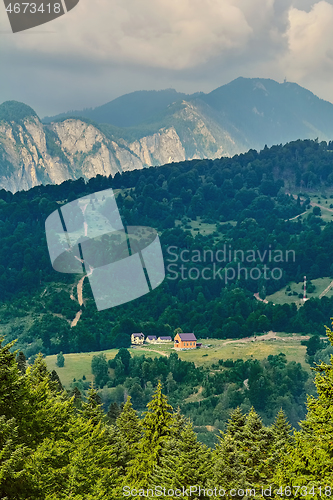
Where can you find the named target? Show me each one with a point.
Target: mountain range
(153, 128)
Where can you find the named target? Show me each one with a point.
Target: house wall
(185, 345)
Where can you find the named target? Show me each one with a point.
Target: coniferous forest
(55, 445)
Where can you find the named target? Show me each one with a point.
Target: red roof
(185, 337)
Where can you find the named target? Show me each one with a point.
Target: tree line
(54, 445)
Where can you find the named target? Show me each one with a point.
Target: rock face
(32, 153)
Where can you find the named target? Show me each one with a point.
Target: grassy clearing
(199, 227)
(257, 350)
(321, 198)
(281, 297)
(79, 364)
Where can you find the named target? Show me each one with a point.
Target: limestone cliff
(32, 153)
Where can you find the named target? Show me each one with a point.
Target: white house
(164, 339)
(151, 339)
(137, 338)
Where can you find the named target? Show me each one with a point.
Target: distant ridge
(153, 128)
(127, 110)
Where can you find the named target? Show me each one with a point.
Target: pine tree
(157, 428)
(236, 423)
(310, 461)
(48, 451)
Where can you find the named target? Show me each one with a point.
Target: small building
(137, 338)
(185, 341)
(151, 339)
(164, 339)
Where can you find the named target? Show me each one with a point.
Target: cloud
(105, 48)
(310, 43)
(168, 34)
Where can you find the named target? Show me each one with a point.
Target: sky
(102, 49)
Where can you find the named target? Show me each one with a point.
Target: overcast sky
(106, 48)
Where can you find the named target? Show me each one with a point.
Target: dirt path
(154, 350)
(312, 204)
(76, 319)
(256, 295)
(80, 290)
(321, 206)
(267, 336)
(326, 290)
(296, 217)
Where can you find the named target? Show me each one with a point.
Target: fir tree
(113, 412)
(13, 454)
(80, 465)
(228, 458)
(242, 458)
(57, 382)
(282, 438)
(184, 463)
(257, 441)
(157, 428)
(12, 388)
(310, 461)
(179, 423)
(76, 394)
(21, 363)
(92, 408)
(129, 425)
(128, 429)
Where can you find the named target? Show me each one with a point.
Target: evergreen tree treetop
(158, 419)
(310, 461)
(92, 408)
(129, 424)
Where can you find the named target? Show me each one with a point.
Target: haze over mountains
(148, 128)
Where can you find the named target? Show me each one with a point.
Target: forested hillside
(53, 445)
(244, 203)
